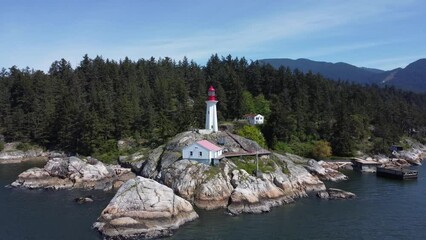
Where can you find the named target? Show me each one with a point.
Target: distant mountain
(412, 78)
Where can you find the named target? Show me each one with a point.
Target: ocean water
(383, 209)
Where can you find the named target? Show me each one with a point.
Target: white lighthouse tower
(211, 113)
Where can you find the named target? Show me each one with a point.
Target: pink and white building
(202, 151)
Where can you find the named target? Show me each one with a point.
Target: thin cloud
(288, 25)
(259, 36)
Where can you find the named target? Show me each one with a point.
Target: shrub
(253, 133)
(107, 152)
(282, 147)
(321, 150)
(24, 147)
(303, 149)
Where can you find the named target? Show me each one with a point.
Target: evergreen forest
(87, 108)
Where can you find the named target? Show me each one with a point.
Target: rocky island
(161, 198)
(230, 183)
(73, 172)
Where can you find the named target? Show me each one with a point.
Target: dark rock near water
(82, 200)
(334, 193)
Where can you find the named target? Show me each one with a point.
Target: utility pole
(257, 163)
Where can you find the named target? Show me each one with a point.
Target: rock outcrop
(207, 187)
(72, 172)
(413, 156)
(226, 185)
(144, 208)
(254, 195)
(323, 172)
(334, 193)
(11, 155)
(150, 165)
(216, 189)
(301, 181)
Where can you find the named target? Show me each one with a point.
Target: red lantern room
(212, 94)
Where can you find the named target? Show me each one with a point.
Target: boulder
(334, 193)
(57, 167)
(144, 208)
(73, 172)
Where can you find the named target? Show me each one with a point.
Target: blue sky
(370, 33)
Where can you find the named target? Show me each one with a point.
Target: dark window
(191, 153)
(201, 154)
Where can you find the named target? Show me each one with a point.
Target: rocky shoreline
(73, 172)
(159, 200)
(17, 156)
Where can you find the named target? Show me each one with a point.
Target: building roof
(366, 162)
(251, 115)
(208, 145)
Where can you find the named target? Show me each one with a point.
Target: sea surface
(383, 209)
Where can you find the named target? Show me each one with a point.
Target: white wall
(254, 121)
(211, 116)
(196, 149)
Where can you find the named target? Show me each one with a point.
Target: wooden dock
(362, 165)
(397, 173)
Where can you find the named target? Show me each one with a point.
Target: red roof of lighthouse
(211, 94)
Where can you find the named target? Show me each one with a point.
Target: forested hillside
(86, 109)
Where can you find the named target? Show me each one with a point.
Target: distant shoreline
(22, 160)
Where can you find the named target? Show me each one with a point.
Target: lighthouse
(211, 113)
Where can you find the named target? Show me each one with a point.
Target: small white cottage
(202, 151)
(254, 119)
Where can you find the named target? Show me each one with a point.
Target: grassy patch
(281, 164)
(249, 164)
(25, 146)
(212, 172)
(108, 152)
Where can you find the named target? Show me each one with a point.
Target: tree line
(88, 108)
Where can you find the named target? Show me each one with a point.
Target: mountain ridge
(411, 78)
